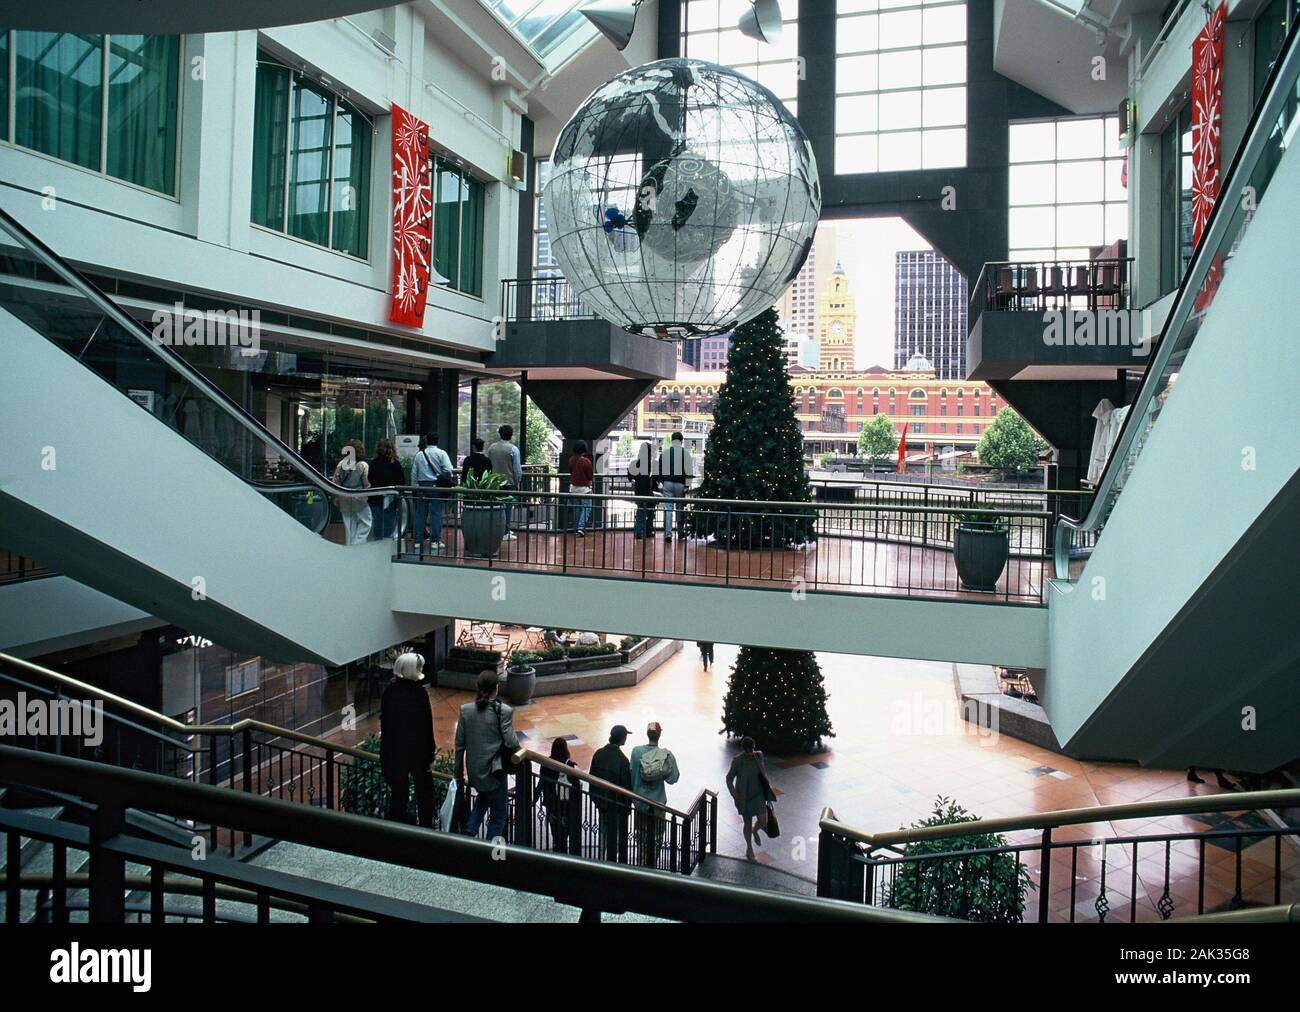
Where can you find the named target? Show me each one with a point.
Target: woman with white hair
(406, 745)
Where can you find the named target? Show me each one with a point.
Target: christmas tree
(778, 698)
(755, 449)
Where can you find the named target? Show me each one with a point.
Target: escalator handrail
(1258, 133)
(74, 278)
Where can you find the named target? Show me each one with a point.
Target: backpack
(656, 764)
(350, 477)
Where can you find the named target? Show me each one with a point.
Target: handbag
(441, 479)
(505, 754)
(773, 828)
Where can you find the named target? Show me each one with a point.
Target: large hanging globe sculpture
(682, 199)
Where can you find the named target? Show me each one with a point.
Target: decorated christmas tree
(755, 449)
(778, 698)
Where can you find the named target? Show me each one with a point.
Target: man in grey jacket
(485, 725)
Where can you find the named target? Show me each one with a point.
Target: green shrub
(628, 642)
(982, 887)
(592, 649)
(985, 518)
(364, 791)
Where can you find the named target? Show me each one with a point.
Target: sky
(866, 248)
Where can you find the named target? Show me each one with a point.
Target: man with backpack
(653, 768)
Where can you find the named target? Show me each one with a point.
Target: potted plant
(483, 514)
(521, 678)
(981, 548)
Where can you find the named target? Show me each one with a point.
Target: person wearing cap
(406, 746)
(609, 763)
(653, 768)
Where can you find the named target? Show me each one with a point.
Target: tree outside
(877, 440)
(1009, 444)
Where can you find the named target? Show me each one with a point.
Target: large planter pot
(981, 552)
(520, 683)
(482, 527)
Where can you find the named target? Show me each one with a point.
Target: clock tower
(837, 316)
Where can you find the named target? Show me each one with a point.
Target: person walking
(750, 790)
(406, 745)
(504, 456)
(560, 798)
(674, 474)
(385, 470)
(581, 476)
(641, 472)
(476, 463)
(485, 727)
(653, 768)
(432, 471)
(609, 763)
(353, 473)
(706, 653)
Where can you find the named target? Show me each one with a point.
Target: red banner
(412, 218)
(1207, 115)
(902, 450)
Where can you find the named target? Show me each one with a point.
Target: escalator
(127, 469)
(1176, 642)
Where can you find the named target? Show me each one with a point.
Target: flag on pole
(902, 450)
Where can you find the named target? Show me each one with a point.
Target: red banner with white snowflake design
(412, 218)
(1207, 113)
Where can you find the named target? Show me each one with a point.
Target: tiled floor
(899, 744)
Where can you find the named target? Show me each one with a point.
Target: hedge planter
(981, 552)
(520, 683)
(482, 528)
(557, 667)
(469, 660)
(589, 662)
(637, 649)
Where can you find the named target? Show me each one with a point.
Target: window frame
(335, 100)
(466, 177)
(8, 134)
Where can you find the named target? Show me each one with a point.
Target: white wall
(202, 238)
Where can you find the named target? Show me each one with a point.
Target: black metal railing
(1039, 285)
(1063, 870)
(110, 845)
(578, 815)
(895, 546)
(575, 813)
(530, 300)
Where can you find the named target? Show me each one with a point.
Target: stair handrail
(57, 264)
(528, 755)
(189, 730)
(1234, 801)
(1258, 133)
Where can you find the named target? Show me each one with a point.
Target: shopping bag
(447, 813)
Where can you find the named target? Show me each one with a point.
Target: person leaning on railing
(580, 479)
(432, 471)
(609, 763)
(559, 794)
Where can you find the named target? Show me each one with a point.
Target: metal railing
(1253, 166)
(576, 813)
(531, 300)
(964, 867)
(110, 845)
(267, 761)
(1039, 285)
(891, 547)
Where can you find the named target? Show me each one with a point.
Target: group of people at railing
(625, 792)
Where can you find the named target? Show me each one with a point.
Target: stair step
(737, 871)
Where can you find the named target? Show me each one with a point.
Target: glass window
(1066, 190)
(312, 156)
(59, 101)
(900, 75)
(458, 225)
(58, 95)
(709, 32)
(143, 88)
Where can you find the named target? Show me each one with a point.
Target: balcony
(1054, 320)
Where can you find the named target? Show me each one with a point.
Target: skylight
(553, 29)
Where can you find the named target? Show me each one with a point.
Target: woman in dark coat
(385, 470)
(406, 746)
(747, 782)
(559, 797)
